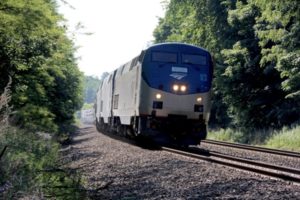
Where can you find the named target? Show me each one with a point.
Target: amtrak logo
(178, 76)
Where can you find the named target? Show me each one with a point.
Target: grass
(228, 135)
(285, 139)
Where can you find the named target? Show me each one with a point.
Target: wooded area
(40, 88)
(256, 46)
(36, 52)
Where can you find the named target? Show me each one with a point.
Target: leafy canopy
(35, 51)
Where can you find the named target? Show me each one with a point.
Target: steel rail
(281, 172)
(257, 163)
(254, 148)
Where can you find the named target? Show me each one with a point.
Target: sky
(120, 30)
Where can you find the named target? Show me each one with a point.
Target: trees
(278, 30)
(256, 47)
(261, 63)
(243, 81)
(91, 85)
(45, 90)
(36, 53)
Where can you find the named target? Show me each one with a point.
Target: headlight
(158, 96)
(183, 88)
(199, 99)
(175, 87)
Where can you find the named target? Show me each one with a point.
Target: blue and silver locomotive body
(164, 93)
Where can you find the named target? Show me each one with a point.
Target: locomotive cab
(175, 89)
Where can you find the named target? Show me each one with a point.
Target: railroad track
(254, 148)
(275, 171)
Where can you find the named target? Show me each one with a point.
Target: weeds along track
(275, 171)
(253, 148)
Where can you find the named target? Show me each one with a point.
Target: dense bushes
(31, 168)
(29, 160)
(25, 159)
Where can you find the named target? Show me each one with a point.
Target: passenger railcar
(164, 93)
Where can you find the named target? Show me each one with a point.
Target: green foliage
(256, 49)
(91, 85)
(87, 106)
(36, 118)
(289, 64)
(286, 138)
(5, 109)
(278, 31)
(229, 135)
(45, 92)
(243, 82)
(30, 166)
(194, 22)
(36, 52)
(243, 136)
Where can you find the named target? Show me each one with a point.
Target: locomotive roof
(175, 44)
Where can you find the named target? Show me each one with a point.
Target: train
(163, 94)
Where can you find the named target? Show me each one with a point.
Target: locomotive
(163, 94)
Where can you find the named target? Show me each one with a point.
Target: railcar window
(194, 59)
(164, 57)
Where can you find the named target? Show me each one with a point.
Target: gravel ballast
(125, 171)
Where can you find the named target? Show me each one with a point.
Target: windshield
(164, 57)
(194, 59)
